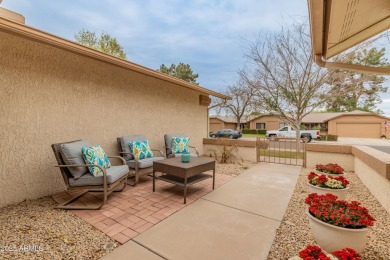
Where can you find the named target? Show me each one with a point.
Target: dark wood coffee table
(183, 174)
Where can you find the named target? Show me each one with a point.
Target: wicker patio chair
(169, 153)
(139, 167)
(113, 178)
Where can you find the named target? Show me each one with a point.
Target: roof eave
(318, 31)
(61, 43)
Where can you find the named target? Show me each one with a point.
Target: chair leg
(124, 186)
(136, 178)
(65, 205)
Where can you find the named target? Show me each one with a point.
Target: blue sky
(210, 35)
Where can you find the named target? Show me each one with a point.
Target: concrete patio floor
(236, 221)
(136, 209)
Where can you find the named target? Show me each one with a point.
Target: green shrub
(254, 131)
(317, 127)
(244, 131)
(328, 137)
(249, 131)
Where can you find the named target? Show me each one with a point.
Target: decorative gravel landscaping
(35, 230)
(294, 234)
(233, 169)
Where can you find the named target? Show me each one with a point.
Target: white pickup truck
(289, 132)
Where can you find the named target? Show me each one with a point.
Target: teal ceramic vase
(185, 157)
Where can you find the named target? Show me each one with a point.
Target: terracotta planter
(331, 238)
(340, 193)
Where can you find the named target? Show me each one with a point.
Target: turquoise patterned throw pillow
(95, 155)
(141, 149)
(180, 144)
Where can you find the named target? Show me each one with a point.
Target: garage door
(214, 127)
(359, 130)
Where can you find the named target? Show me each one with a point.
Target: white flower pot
(340, 193)
(331, 238)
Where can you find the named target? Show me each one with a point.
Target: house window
(260, 125)
(282, 124)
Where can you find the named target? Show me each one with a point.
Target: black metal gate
(281, 150)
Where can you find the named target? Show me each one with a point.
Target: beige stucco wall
(344, 160)
(378, 185)
(244, 153)
(362, 123)
(271, 122)
(50, 95)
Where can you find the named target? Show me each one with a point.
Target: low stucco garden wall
(246, 149)
(49, 95)
(370, 165)
(322, 154)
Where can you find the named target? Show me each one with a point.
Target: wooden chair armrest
(119, 158)
(159, 151)
(86, 165)
(125, 153)
(196, 150)
(166, 147)
(170, 148)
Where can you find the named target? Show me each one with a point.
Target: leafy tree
(181, 71)
(105, 43)
(358, 91)
(288, 82)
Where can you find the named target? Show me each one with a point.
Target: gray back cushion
(168, 141)
(71, 154)
(125, 147)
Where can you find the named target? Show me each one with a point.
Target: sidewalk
(235, 221)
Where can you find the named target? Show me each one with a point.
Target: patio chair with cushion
(76, 173)
(141, 159)
(171, 149)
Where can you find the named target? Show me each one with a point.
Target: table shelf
(180, 181)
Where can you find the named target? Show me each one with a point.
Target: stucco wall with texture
(49, 95)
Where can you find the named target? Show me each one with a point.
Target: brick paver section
(134, 210)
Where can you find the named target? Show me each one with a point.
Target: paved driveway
(379, 144)
(364, 141)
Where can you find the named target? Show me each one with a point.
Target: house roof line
(314, 117)
(357, 114)
(32, 33)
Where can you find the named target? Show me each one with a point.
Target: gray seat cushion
(71, 154)
(145, 163)
(168, 141)
(114, 173)
(191, 154)
(125, 147)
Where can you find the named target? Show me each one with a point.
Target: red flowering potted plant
(316, 253)
(330, 168)
(322, 184)
(337, 223)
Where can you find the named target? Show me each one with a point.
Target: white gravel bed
(233, 169)
(294, 234)
(35, 230)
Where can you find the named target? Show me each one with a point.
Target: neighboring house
(267, 122)
(344, 124)
(217, 123)
(54, 90)
(349, 124)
